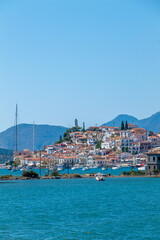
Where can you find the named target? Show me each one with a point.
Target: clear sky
(85, 59)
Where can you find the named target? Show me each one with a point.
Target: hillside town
(103, 146)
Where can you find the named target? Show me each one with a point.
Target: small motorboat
(100, 178)
(103, 168)
(73, 168)
(115, 167)
(94, 166)
(59, 169)
(143, 168)
(85, 168)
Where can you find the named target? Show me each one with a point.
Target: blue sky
(84, 59)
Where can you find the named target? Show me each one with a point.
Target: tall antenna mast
(33, 138)
(16, 127)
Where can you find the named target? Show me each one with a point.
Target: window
(154, 159)
(158, 158)
(154, 167)
(148, 159)
(149, 167)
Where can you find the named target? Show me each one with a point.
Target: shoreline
(84, 176)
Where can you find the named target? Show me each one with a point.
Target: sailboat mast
(33, 138)
(16, 127)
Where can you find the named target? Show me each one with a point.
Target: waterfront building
(153, 162)
(90, 160)
(140, 159)
(144, 146)
(71, 159)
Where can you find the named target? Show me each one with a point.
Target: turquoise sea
(80, 209)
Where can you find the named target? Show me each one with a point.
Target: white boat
(73, 168)
(115, 168)
(85, 168)
(22, 169)
(9, 167)
(77, 166)
(99, 177)
(94, 167)
(103, 168)
(143, 168)
(59, 169)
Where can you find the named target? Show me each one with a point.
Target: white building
(92, 141)
(125, 134)
(108, 144)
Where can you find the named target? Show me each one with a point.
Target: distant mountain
(123, 117)
(44, 135)
(5, 155)
(151, 123)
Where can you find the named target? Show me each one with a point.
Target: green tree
(75, 129)
(98, 145)
(126, 125)
(16, 163)
(65, 134)
(115, 149)
(122, 125)
(60, 140)
(9, 163)
(83, 129)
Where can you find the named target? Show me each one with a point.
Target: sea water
(80, 171)
(80, 209)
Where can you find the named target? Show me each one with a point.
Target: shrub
(134, 173)
(30, 174)
(138, 172)
(156, 171)
(33, 174)
(126, 173)
(25, 174)
(76, 175)
(54, 173)
(6, 177)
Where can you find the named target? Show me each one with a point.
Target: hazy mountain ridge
(122, 117)
(44, 135)
(151, 123)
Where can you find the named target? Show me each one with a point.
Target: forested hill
(44, 135)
